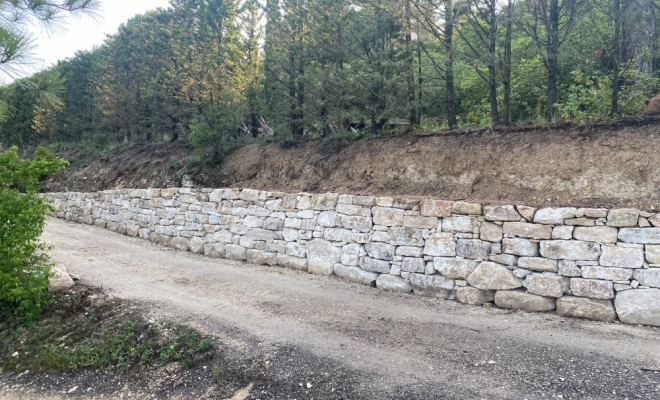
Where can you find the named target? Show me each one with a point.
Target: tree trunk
(449, 64)
(410, 67)
(616, 57)
(507, 63)
(492, 81)
(552, 63)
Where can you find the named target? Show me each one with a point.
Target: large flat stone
(413, 264)
(393, 283)
(501, 213)
(648, 277)
(260, 257)
(473, 248)
(453, 268)
(322, 257)
(435, 208)
(639, 306)
(387, 216)
(581, 307)
(528, 231)
(640, 235)
(569, 250)
(350, 254)
(432, 285)
(462, 207)
(554, 216)
(520, 247)
(653, 254)
(598, 234)
(417, 221)
(546, 284)
(324, 201)
(623, 217)
(519, 300)
(538, 264)
(236, 252)
(606, 273)
(380, 251)
(406, 237)
(373, 265)
(460, 224)
(490, 232)
(472, 295)
(623, 257)
(492, 276)
(361, 224)
(592, 288)
(440, 245)
(356, 275)
(292, 262)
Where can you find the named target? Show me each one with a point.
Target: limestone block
(640, 306)
(381, 236)
(260, 234)
(653, 254)
(412, 264)
(322, 256)
(655, 220)
(327, 219)
(407, 203)
(546, 284)
(417, 221)
(368, 201)
(356, 275)
(607, 273)
(274, 224)
(388, 216)
(505, 259)
(520, 247)
(598, 234)
(623, 257)
(521, 273)
(293, 223)
(648, 277)
(490, 232)
(172, 192)
(441, 245)
(640, 235)
(179, 243)
(569, 250)
(435, 208)
(249, 195)
(501, 213)
(373, 265)
(527, 212)
(519, 300)
(460, 224)
(292, 262)
(348, 209)
(384, 201)
(465, 208)
(474, 296)
(236, 252)
(581, 307)
(324, 201)
(60, 280)
(350, 254)
(380, 251)
(214, 250)
(432, 285)
(337, 235)
(492, 276)
(623, 217)
(473, 248)
(580, 222)
(260, 257)
(296, 249)
(554, 216)
(393, 283)
(528, 231)
(196, 245)
(595, 289)
(538, 264)
(569, 268)
(362, 224)
(453, 268)
(409, 251)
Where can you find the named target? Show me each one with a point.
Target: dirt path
(366, 342)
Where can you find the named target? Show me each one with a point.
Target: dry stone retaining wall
(590, 263)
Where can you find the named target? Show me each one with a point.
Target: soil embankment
(615, 165)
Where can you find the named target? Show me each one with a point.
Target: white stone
(350, 254)
(520, 247)
(607, 273)
(411, 264)
(60, 280)
(361, 224)
(501, 213)
(521, 273)
(639, 307)
(519, 300)
(322, 256)
(381, 251)
(406, 237)
(196, 245)
(492, 276)
(648, 277)
(473, 248)
(417, 221)
(356, 275)
(260, 257)
(474, 296)
(435, 208)
(324, 201)
(623, 257)
(409, 251)
(546, 284)
(581, 307)
(387, 216)
(249, 195)
(623, 217)
(440, 245)
(432, 285)
(490, 232)
(393, 284)
(180, 243)
(554, 216)
(528, 231)
(595, 289)
(373, 265)
(598, 234)
(459, 224)
(327, 219)
(640, 235)
(235, 252)
(527, 212)
(453, 268)
(296, 249)
(569, 268)
(653, 254)
(292, 262)
(505, 259)
(538, 264)
(464, 208)
(570, 250)
(562, 232)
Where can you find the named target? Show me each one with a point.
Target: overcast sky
(83, 33)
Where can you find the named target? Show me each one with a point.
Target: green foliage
(24, 267)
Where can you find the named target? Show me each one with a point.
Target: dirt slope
(608, 165)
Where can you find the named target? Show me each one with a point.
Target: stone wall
(582, 262)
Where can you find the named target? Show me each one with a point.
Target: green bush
(24, 267)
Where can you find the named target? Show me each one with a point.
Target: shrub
(24, 267)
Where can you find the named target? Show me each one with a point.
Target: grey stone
(501, 213)
(655, 220)
(381, 236)
(327, 219)
(464, 208)
(653, 254)
(406, 237)
(260, 234)
(453, 268)
(361, 224)
(593, 212)
(261, 257)
(236, 252)
(440, 245)
(459, 224)
(296, 249)
(520, 247)
(387, 216)
(521, 273)
(180, 243)
(580, 222)
(570, 250)
(215, 250)
(337, 235)
(581, 307)
(249, 195)
(356, 275)
(607, 273)
(538, 264)
(292, 262)
(417, 221)
(639, 307)
(527, 212)
(274, 224)
(410, 264)
(474, 296)
(640, 235)
(546, 284)
(554, 216)
(432, 285)
(368, 201)
(595, 289)
(350, 254)
(519, 300)
(381, 251)
(435, 208)
(373, 265)
(623, 257)
(648, 277)
(598, 234)
(492, 276)
(324, 201)
(562, 232)
(528, 231)
(393, 284)
(506, 259)
(409, 251)
(490, 232)
(196, 245)
(623, 217)
(569, 268)
(60, 280)
(473, 248)
(348, 209)
(322, 256)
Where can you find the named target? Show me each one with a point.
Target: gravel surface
(287, 334)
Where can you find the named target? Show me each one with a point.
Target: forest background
(221, 73)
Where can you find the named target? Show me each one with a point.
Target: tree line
(218, 73)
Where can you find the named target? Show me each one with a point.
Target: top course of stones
(590, 263)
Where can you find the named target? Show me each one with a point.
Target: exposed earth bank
(614, 165)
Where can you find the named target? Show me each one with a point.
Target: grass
(83, 329)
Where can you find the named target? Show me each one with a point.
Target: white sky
(83, 33)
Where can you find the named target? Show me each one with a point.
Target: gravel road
(354, 342)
